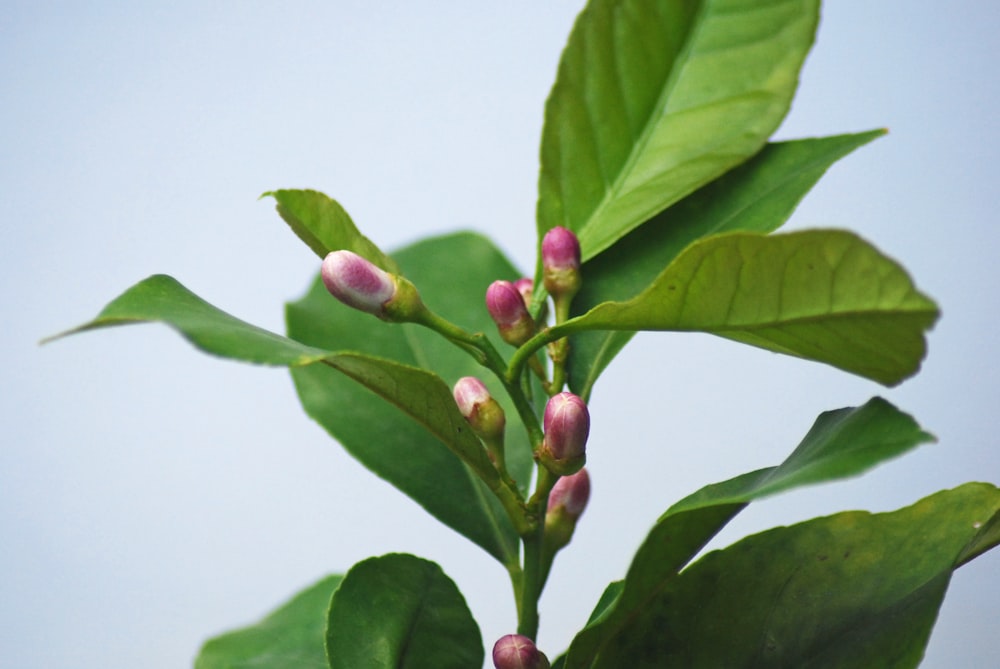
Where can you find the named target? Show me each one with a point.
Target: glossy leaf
(379, 437)
(823, 295)
(401, 612)
(758, 196)
(841, 443)
(291, 637)
(850, 590)
(325, 226)
(415, 451)
(655, 98)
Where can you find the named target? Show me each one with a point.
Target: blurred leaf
(757, 196)
(841, 443)
(823, 295)
(401, 612)
(382, 439)
(655, 98)
(324, 226)
(291, 637)
(849, 590)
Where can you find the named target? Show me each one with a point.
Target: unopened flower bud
(485, 415)
(567, 424)
(561, 262)
(515, 651)
(361, 284)
(508, 311)
(526, 287)
(567, 501)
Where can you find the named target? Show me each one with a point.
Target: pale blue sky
(151, 496)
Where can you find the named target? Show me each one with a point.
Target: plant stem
(534, 557)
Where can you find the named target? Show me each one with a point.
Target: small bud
(508, 311)
(526, 287)
(567, 424)
(561, 262)
(567, 501)
(515, 651)
(484, 413)
(357, 282)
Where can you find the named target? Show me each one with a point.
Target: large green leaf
(849, 590)
(291, 637)
(325, 226)
(757, 196)
(841, 443)
(346, 391)
(823, 295)
(655, 98)
(382, 439)
(401, 612)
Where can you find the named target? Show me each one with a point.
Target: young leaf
(291, 637)
(823, 295)
(841, 443)
(757, 196)
(850, 590)
(401, 611)
(325, 226)
(654, 98)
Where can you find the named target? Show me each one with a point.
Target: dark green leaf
(757, 196)
(401, 612)
(292, 637)
(655, 98)
(850, 590)
(823, 295)
(324, 226)
(841, 443)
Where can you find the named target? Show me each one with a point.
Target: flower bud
(361, 284)
(508, 311)
(515, 651)
(484, 413)
(561, 262)
(526, 287)
(567, 501)
(567, 424)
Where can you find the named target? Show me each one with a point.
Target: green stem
(535, 569)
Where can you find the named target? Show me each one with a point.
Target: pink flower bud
(357, 282)
(526, 287)
(561, 262)
(569, 495)
(508, 311)
(475, 403)
(567, 424)
(515, 651)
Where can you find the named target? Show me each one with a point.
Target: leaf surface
(841, 443)
(655, 98)
(401, 612)
(290, 637)
(758, 196)
(823, 295)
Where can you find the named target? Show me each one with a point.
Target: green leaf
(655, 98)
(291, 637)
(347, 391)
(841, 443)
(401, 612)
(850, 590)
(757, 196)
(324, 226)
(379, 437)
(823, 295)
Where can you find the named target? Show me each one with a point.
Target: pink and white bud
(566, 423)
(570, 495)
(485, 415)
(508, 311)
(357, 282)
(526, 287)
(561, 262)
(515, 651)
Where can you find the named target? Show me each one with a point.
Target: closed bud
(508, 311)
(526, 287)
(361, 284)
(567, 425)
(561, 263)
(567, 501)
(515, 651)
(484, 413)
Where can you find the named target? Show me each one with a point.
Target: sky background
(151, 496)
